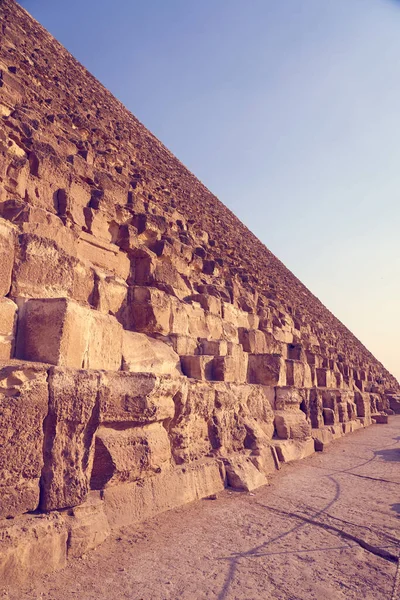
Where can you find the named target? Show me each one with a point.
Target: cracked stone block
(23, 408)
(69, 428)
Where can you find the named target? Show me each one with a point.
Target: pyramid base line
(91, 451)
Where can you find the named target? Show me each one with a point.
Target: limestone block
(8, 316)
(363, 404)
(166, 276)
(295, 373)
(260, 403)
(274, 346)
(242, 474)
(292, 424)
(380, 418)
(184, 344)
(42, 269)
(73, 418)
(229, 368)
(111, 293)
(140, 353)
(266, 460)
(214, 325)
(213, 347)
(104, 348)
(351, 426)
(179, 323)
(7, 241)
(198, 324)
(23, 407)
(289, 398)
(60, 332)
(330, 417)
(230, 332)
(253, 341)
(150, 310)
(77, 200)
(316, 418)
(127, 455)
(209, 303)
(394, 402)
(98, 223)
(236, 316)
(102, 254)
(83, 288)
(134, 502)
(266, 369)
(322, 437)
(189, 430)
(138, 397)
(322, 377)
(289, 450)
(31, 546)
(87, 526)
(198, 367)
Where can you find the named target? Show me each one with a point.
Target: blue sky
(288, 111)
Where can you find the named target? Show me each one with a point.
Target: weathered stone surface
(31, 546)
(143, 354)
(61, 332)
(266, 369)
(231, 368)
(138, 397)
(72, 420)
(8, 321)
(23, 408)
(242, 474)
(292, 425)
(129, 454)
(87, 526)
(150, 310)
(137, 501)
(198, 367)
(289, 450)
(7, 243)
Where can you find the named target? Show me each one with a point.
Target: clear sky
(288, 110)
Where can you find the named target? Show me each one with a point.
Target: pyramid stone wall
(153, 351)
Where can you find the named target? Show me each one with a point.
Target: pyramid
(153, 351)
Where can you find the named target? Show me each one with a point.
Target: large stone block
(230, 368)
(23, 407)
(72, 420)
(138, 397)
(102, 254)
(189, 429)
(111, 293)
(289, 450)
(266, 369)
(242, 474)
(8, 318)
(134, 502)
(253, 341)
(292, 424)
(60, 332)
(198, 367)
(143, 354)
(7, 242)
(42, 269)
(150, 310)
(31, 546)
(129, 454)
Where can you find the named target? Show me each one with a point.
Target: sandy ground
(327, 528)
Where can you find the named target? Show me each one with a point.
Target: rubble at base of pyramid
(152, 350)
